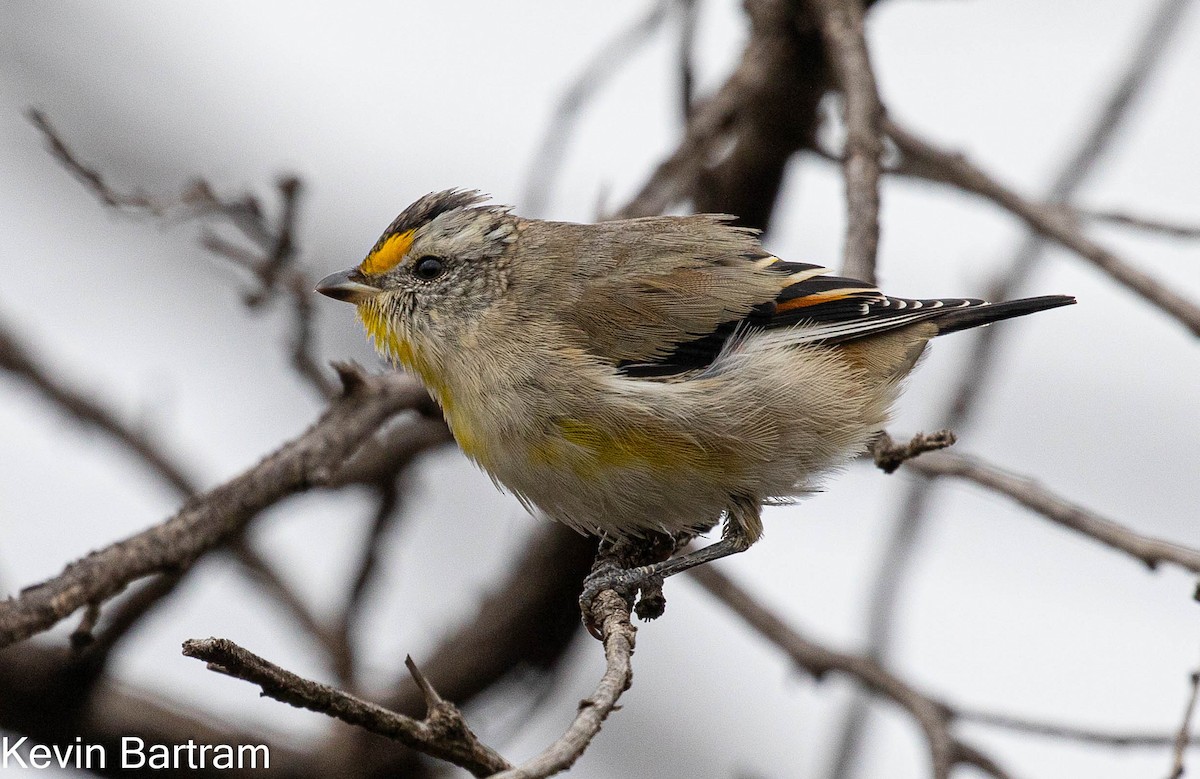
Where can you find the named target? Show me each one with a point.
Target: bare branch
(611, 612)
(208, 519)
(932, 716)
(265, 575)
(604, 65)
(845, 44)
(889, 455)
(1058, 730)
(16, 358)
(1183, 738)
(1138, 222)
(689, 10)
(938, 164)
(272, 265)
(901, 546)
(1030, 494)
(443, 733)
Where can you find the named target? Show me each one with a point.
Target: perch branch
(611, 612)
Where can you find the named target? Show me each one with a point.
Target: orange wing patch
(820, 297)
(387, 254)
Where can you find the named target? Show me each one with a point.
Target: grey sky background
(374, 104)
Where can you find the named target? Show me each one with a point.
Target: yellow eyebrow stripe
(387, 254)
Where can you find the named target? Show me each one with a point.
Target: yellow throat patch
(389, 343)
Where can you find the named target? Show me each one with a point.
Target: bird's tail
(956, 319)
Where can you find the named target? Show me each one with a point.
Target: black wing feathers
(831, 309)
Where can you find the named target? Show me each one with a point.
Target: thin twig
(939, 164)
(1057, 730)
(18, 359)
(82, 637)
(611, 612)
(1183, 738)
(689, 10)
(264, 574)
(88, 175)
(842, 27)
(432, 699)
(1139, 222)
(888, 455)
(932, 716)
(604, 64)
(272, 264)
(1033, 496)
(443, 733)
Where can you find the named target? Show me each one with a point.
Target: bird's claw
(625, 582)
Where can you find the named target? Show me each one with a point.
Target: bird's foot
(629, 568)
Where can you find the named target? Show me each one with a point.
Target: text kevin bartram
(133, 753)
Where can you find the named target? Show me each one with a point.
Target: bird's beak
(346, 285)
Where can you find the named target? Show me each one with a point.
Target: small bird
(642, 375)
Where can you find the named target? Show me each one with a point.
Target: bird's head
(433, 271)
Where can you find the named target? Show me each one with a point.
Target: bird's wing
(813, 306)
(662, 296)
(643, 287)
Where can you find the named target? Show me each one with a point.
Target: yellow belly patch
(590, 449)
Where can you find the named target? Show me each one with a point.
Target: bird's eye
(428, 267)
